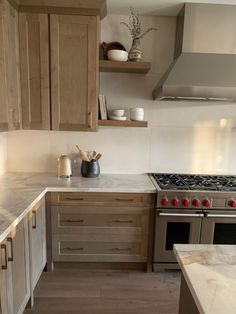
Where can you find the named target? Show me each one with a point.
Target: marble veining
(19, 192)
(210, 272)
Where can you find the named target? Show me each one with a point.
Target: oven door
(219, 227)
(175, 226)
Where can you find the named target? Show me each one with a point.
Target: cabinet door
(37, 232)
(3, 85)
(11, 36)
(34, 59)
(5, 281)
(74, 72)
(19, 262)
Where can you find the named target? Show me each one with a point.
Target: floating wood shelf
(126, 123)
(124, 67)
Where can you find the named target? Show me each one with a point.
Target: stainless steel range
(192, 209)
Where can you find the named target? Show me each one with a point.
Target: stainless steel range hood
(204, 65)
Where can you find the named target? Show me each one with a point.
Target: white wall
(194, 137)
(3, 152)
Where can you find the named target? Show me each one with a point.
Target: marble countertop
(210, 272)
(19, 192)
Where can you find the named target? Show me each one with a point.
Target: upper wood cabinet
(73, 54)
(34, 56)
(10, 112)
(74, 72)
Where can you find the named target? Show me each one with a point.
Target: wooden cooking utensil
(82, 154)
(98, 156)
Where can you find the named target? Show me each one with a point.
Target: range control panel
(195, 201)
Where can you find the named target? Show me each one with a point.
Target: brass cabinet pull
(121, 249)
(123, 221)
(71, 220)
(74, 249)
(74, 199)
(34, 219)
(124, 199)
(4, 248)
(10, 241)
(90, 118)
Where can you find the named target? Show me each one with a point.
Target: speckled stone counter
(19, 192)
(210, 274)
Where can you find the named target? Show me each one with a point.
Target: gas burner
(168, 181)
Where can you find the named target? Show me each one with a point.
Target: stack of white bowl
(137, 114)
(117, 114)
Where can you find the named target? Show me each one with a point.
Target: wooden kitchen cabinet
(101, 227)
(37, 242)
(71, 80)
(10, 111)
(74, 72)
(15, 274)
(34, 57)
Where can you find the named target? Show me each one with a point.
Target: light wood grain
(96, 227)
(10, 113)
(126, 123)
(106, 292)
(34, 56)
(3, 82)
(102, 199)
(80, 7)
(74, 54)
(12, 66)
(124, 67)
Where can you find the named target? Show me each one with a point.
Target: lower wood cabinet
(37, 240)
(105, 227)
(15, 274)
(23, 257)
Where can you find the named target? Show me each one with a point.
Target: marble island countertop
(210, 273)
(19, 192)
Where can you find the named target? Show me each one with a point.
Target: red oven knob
(232, 203)
(206, 203)
(186, 202)
(165, 201)
(175, 202)
(196, 202)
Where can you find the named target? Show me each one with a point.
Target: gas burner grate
(168, 181)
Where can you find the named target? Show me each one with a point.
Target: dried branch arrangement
(135, 26)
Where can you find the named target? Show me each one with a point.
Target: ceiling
(155, 7)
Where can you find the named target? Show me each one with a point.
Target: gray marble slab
(19, 192)
(210, 272)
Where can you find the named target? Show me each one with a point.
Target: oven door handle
(198, 215)
(208, 215)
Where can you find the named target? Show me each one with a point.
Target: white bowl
(117, 55)
(117, 112)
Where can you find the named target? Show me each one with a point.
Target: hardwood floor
(103, 292)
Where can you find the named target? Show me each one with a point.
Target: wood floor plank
(104, 292)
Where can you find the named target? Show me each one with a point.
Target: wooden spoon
(82, 154)
(98, 156)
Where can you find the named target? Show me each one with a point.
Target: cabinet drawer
(103, 199)
(68, 248)
(71, 219)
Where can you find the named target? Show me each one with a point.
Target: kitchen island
(208, 283)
